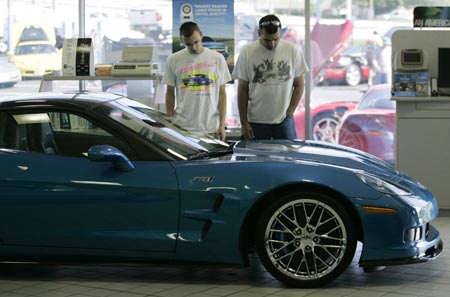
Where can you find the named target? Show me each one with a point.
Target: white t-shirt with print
(270, 74)
(197, 79)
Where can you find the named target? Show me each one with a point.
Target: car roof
(81, 99)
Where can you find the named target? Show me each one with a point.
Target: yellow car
(36, 58)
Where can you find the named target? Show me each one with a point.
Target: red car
(370, 127)
(324, 119)
(349, 67)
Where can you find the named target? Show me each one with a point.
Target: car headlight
(424, 209)
(381, 185)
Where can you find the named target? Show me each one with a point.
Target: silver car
(9, 75)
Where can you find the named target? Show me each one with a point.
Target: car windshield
(352, 51)
(378, 99)
(159, 129)
(35, 49)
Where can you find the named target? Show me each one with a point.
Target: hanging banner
(215, 19)
(429, 16)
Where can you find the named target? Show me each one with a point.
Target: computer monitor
(443, 79)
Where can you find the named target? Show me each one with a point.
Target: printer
(136, 61)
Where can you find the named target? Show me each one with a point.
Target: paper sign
(77, 57)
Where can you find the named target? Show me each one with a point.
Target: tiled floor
(427, 279)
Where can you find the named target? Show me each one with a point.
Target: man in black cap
(271, 83)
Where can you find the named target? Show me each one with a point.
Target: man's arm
(246, 128)
(170, 100)
(299, 86)
(222, 112)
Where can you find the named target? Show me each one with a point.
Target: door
(49, 199)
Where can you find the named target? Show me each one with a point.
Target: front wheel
(305, 239)
(324, 127)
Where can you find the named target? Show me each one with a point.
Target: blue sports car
(100, 178)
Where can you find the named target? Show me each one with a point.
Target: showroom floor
(427, 279)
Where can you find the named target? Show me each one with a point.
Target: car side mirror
(109, 153)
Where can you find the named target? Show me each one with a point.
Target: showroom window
(343, 37)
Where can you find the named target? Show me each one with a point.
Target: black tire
(305, 239)
(324, 127)
(353, 75)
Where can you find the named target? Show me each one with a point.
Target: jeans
(283, 130)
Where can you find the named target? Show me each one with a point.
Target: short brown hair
(188, 28)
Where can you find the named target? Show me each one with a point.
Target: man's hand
(247, 131)
(221, 134)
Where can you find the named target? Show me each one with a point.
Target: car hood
(323, 154)
(8, 67)
(35, 60)
(315, 152)
(8, 70)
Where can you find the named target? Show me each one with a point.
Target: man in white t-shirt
(195, 77)
(271, 82)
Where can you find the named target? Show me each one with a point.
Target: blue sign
(215, 19)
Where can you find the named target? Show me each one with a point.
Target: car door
(50, 199)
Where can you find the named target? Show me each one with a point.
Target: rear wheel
(305, 239)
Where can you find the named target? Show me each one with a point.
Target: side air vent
(217, 204)
(205, 229)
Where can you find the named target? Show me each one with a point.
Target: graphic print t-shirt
(270, 74)
(197, 79)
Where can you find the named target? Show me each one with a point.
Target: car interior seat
(41, 138)
(14, 135)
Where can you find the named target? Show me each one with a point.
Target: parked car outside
(350, 67)
(324, 119)
(9, 75)
(122, 183)
(370, 127)
(146, 20)
(3, 47)
(36, 58)
(398, 14)
(31, 31)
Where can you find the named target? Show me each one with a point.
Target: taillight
(158, 17)
(375, 124)
(354, 124)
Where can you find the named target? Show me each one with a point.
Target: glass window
(33, 33)
(345, 39)
(35, 49)
(58, 133)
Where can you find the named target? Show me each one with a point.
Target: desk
(423, 143)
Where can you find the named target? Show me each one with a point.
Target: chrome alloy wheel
(305, 239)
(324, 129)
